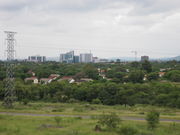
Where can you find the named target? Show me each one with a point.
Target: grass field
(23, 125)
(29, 125)
(91, 109)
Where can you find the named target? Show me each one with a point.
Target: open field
(85, 109)
(85, 123)
(28, 125)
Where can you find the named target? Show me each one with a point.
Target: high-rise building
(144, 58)
(67, 57)
(86, 58)
(76, 59)
(37, 58)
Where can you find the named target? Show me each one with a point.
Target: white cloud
(114, 26)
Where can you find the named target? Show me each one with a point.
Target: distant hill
(177, 58)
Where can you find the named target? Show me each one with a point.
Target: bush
(109, 120)
(152, 119)
(25, 101)
(127, 130)
(58, 120)
(96, 101)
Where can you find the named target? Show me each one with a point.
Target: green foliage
(127, 130)
(57, 120)
(136, 76)
(96, 101)
(110, 121)
(173, 75)
(25, 101)
(152, 119)
(146, 65)
(90, 71)
(152, 76)
(123, 88)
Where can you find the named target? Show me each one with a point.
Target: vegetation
(125, 83)
(152, 119)
(110, 121)
(119, 89)
(20, 125)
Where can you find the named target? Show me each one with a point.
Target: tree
(135, 64)
(136, 76)
(153, 76)
(146, 65)
(110, 121)
(90, 71)
(173, 75)
(152, 119)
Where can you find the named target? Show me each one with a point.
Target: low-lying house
(45, 80)
(161, 74)
(84, 80)
(32, 80)
(70, 79)
(31, 73)
(54, 76)
(51, 78)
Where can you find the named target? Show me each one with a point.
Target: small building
(32, 80)
(54, 76)
(37, 58)
(70, 79)
(161, 74)
(45, 80)
(31, 73)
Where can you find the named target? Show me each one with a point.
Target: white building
(86, 58)
(37, 58)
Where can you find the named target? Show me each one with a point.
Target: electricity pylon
(9, 95)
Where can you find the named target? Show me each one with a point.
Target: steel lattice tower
(9, 95)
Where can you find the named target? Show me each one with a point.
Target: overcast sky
(109, 28)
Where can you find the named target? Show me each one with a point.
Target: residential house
(32, 80)
(70, 79)
(45, 80)
(54, 76)
(161, 74)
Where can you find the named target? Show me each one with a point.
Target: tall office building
(76, 59)
(67, 57)
(86, 58)
(37, 58)
(144, 58)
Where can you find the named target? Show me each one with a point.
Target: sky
(107, 28)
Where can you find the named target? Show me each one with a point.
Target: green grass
(90, 109)
(29, 125)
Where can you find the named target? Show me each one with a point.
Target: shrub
(127, 130)
(152, 119)
(25, 101)
(96, 101)
(109, 120)
(58, 120)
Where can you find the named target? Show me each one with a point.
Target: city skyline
(108, 28)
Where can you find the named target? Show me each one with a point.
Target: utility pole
(135, 53)
(9, 96)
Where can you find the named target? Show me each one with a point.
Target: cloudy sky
(109, 28)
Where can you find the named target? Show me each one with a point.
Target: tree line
(108, 93)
